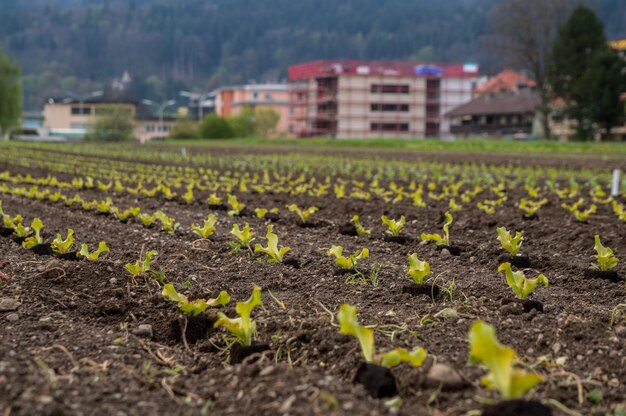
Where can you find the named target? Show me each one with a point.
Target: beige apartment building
(74, 118)
(229, 101)
(376, 99)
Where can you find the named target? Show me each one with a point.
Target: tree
(523, 32)
(10, 95)
(215, 127)
(114, 123)
(267, 119)
(605, 79)
(580, 39)
(244, 123)
(184, 129)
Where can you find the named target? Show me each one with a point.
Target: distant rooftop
(276, 87)
(507, 80)
(498, 104)
(381, 68)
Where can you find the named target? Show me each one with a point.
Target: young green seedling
(207, 229)
(214, 200)
(348, 325)
(36, 239)
(582, 216)
(519, 283)
(61, 246)
(605, 257)
(360, 230)
(509, 243)
(274, 254)
(303, 215)
(417, 269)
(347, 263)
(168, 224)
(84, 251)
(394, 227)
(260, 212)
(440, 240)
(243, 327)
(193, 307)
(236, 206)
(245, 235)
(531, 207)
(510, 382)
(140, 266)
(125, 215)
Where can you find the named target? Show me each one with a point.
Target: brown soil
(73, 349)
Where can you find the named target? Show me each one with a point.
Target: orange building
(229, 101)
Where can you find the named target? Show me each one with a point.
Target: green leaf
(510, 244)
(418, 270)
(606, 260)
(395, 227)
(396, 356)
(272, 251)
(595, 397)
(519, 283)
(348, 325)
(61, 246)
(243, 327)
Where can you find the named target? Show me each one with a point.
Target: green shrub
(215, 127)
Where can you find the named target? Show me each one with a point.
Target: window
(389, 126)
(76, 111)
(389, 107)
(389, 88)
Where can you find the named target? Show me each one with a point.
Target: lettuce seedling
(394, 227)
(61, 246)
(84, 251)
(123, 216)
(260, 212)
(440, 240)
(582, 216)
(207, 229)
(193, 307)
(36, 239)
(214, 200)
(19, 230)
(606, 259)
(519, 283)
(140, 266)
(104, 207)
(146, 219)
(417, 269)
(360, 230)
(530, 207)
(245, 235)
(486, 207)
(348, 325)
(243, 327)
(347, 263)
(236, 206)
(303, 215)
(188, 196)
(275, 255)
(510, 244)
(510, 382)
(168, 224)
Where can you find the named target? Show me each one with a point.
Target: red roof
(381, 68)
(507, 80)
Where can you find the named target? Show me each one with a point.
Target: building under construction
(361, 99)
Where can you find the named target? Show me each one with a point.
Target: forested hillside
(167, 45)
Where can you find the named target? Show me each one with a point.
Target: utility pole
(199, 97)
(160, 109)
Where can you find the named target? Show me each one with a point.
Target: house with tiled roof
(507, 80)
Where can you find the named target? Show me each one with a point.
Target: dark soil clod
(272, 216)
(5, 232)
(519, 261)
(399, 239)
(292, 261)
(432, 291)
(42, 249)
(529, 305)
(610, 275)
(218, 207)
(307, 224)
(348, 229)
(239, 352)
(378, 381)
(72, 255)
(198, 327)
(517, 408)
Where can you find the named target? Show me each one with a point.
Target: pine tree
(10, 95)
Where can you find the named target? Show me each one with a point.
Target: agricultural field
(270, 280)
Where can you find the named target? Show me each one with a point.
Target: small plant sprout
(36, 239)
(260, 212)
(243, 327)
(417, 269)
(347, 263)
(168, 224)
(485, 348)
(84, 251)
(582, 216)
(125, 215)
(348, 325)
(245, 235)
(214, 200)
(61, 246)
(360, 230)
(146, 219)
(302, 214)
(140, 266)
(440, 240)
(509, 243)
(605, 257)
(207, 229)
(519, 283)
(236, 206)
(531, 207)
(394, 227)
(193, 307)
(274, 254)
